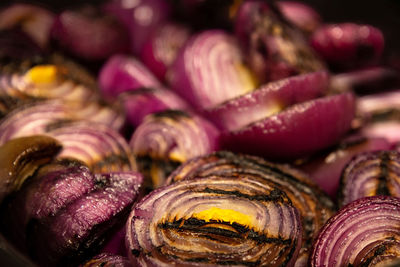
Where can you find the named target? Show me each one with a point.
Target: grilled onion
(107, 260)
(214, 221)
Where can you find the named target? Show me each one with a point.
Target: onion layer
(214, 221)
(364, 233)
(301, 15)
(107, 260)
(370, 174)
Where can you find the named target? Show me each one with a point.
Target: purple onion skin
(83, 226)
(301, 15)
(160, 51)
(299, 131)
(370, 174)
(326, 169)
(121, 73)
(348, 45)
(273, 49)
(89, 35)
(268, 100)
(141, 18)
(107, 260)
(363, 233)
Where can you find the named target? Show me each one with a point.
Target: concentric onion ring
(370, 174)
(366, 232)
(214, 221)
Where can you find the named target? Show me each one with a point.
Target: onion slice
(364, 232)
(268, 100)
(214, 221)
(370, 174)
(298, 131)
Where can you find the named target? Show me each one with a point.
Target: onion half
(364, 232)
(214, 221)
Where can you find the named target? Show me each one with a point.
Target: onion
(34, 20)
(370, 174)
(89, 34)
(123, 73)
(209, 70)
(268, 100)
(21, 157)
(160, 51)
(83, 225)
(298, 131)
(326, 168)
(348, 45)
(273, 49)
(140, 17)
(142, 102)
(166, 139)
(301, 15)
(314, 207)
(97, 145)
(107, 260)
(214, 221)
(365, 232)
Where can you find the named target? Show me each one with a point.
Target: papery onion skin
(171, 137)
(142, 102)
(348, 45)
(268, 100)
(164, 227)
(364, 232)
(107, 260)
(370, 174)
(326, 168)
(298, 131)
(301, 15)
(89, 34)
(209, 70)
(122, 73)
(314, 207)
(83, 226)
(160, 51)
(273, 49)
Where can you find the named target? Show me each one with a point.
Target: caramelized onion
(214, 221)
(107, 260)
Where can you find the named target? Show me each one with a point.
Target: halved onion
(370, 174)
(123, 73)
(214, 221)
(209, 70)
(166, 139)
(314, 207)
(273, 49)
(364, 232)
(297, 131)
(348, 45)
(142, 102)
(268, 100)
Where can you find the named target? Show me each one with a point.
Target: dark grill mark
(135, 252)
(110, 160)
(382, 188)
(275, 195)
(379, 251)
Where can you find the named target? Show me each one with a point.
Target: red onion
(325, 169)
(142, 102)
(370, 174)
(348, 45)
(124, 73)
(314, 207)
(209, 70)
(268, 100)
(168, 138)
(21, 157)
(214, 221)
(160, 51)
(107, 260)
(298, 131)
(274, 50)
(300, 14)
(89, 34)
(363, 233)
(141, 18)
(35, 21)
